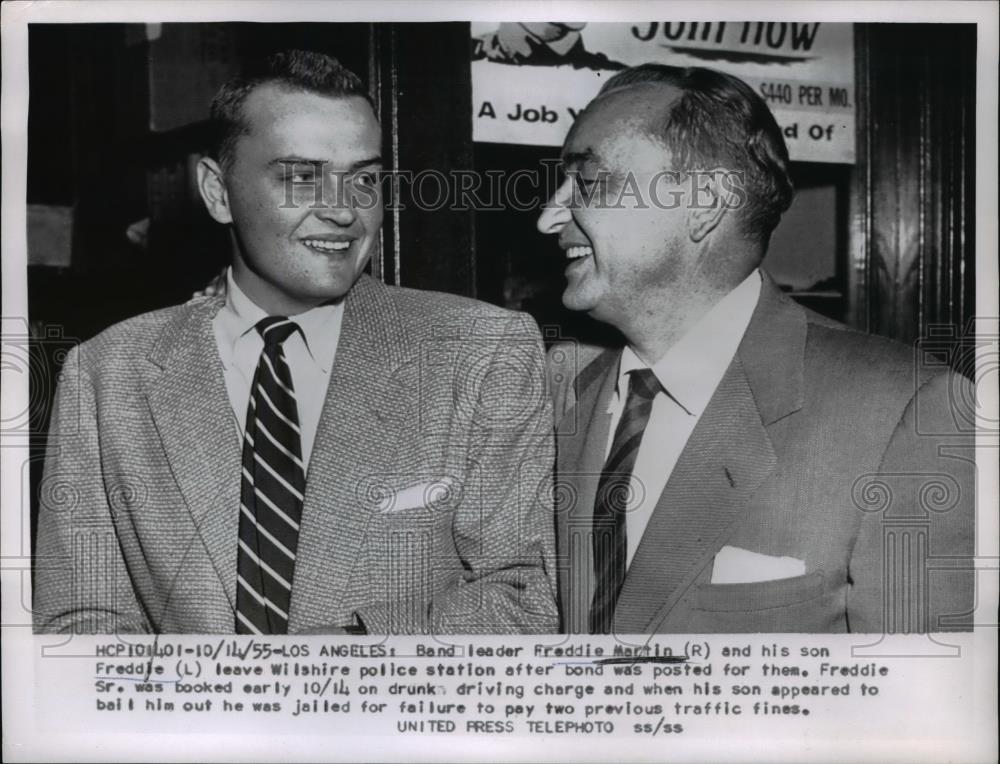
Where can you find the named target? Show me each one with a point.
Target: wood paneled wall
(420, 76)
(912, 233)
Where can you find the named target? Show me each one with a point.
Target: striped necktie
(613, 494)
(272, 490)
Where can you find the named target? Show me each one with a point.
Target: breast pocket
(759, 595)
(409, 543)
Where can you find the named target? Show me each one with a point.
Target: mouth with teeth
(578, 253)
(322, 245)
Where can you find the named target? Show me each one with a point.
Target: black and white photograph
(451, 383)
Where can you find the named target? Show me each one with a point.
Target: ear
(212, 187)
(710, 200)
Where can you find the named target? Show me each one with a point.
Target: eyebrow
(576, 157)
(283, 161)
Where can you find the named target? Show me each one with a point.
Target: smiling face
(301, 193)
(628, 249)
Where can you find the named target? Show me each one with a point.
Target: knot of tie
(644, 384)
(275, 330)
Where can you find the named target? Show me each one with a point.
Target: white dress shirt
(309, 354)
(689, 373)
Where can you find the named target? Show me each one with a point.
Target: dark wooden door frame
(422, 86)
(912, 208)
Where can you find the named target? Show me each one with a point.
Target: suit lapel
(727, 457)
(193, 416)
(725, 460)
(582, 436)
(364, 421)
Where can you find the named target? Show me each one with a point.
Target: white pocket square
(431, 494)
(733, 565)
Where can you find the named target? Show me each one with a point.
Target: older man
(722, 466)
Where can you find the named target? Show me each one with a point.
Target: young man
(741, 464)
(314, 451)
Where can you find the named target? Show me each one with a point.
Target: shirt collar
(692, 369)
(319, 326)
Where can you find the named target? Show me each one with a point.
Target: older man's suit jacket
(427, 504)
(820, 444)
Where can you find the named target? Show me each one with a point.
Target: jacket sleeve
(912, 567)
(503, 527)
(81, 582)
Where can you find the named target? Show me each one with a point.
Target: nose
(337, 204)
(556, 213)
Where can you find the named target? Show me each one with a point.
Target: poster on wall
(531, 79)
